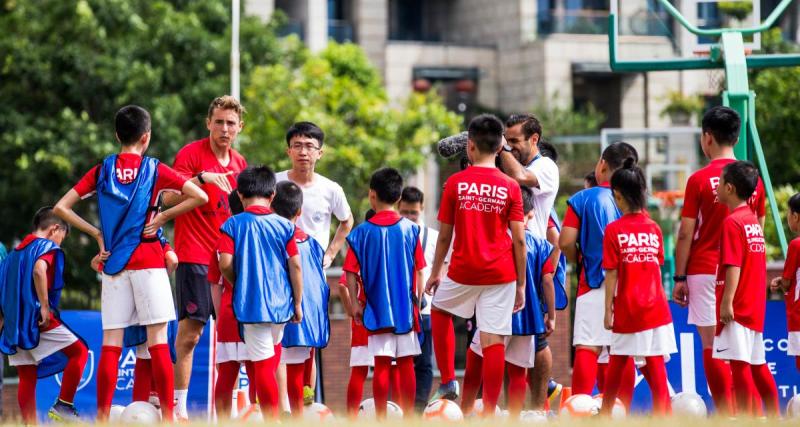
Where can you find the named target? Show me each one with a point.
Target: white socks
(180, 403)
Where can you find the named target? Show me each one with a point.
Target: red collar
(258, 210)
(26, 241)
(385, 218)
(299, 234)
(604, 184)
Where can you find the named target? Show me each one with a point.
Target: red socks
(106, 379)
(494, 357)
(743, 386)
(26, 393)
(142, 380)
(765, 383)
(251, 376)
(601, 376)
(380, 384)
(444, 344)
(626, 384)
(394, 384)
(228, 372)
(165, 378)
(77, 354)
(355, 388)
(408, 387)
(309, 367)
(584, 371)
(655, 372)
(613, 379)
(294, 387)
(517, 383)
(267, 386)
(473, 375)
(720, 382)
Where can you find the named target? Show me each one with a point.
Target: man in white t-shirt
(412, 207)
(522, 161)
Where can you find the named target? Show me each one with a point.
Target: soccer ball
(793, 407)
(688, 404)
(617, 412)
(533, 417)
(140, 413)
(477, 409)
(251, 413)
(443, 410)
(115, 413)
(366, 410)
(318, 412)
(580, 406)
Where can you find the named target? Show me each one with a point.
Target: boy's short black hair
(591, 179)
(527, 199)
(486, 131)
(723, 124)
(743, 176)
(387, 183)
(369, 214)
(45, 217)
(306, 129)
(794, 203)
(288, 199)
(530, 124)
(412, 194)
(235, 203)
(548, 150)
(256, 181)
(130, 123)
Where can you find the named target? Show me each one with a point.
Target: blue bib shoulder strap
(314, 330)
(560, 277)
(596, 209)
(530, 320)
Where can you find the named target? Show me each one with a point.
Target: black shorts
(193, 292)
(541, 342)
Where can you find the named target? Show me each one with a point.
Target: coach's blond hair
(226, 102)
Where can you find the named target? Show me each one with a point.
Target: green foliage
(339, 90)
(67, 66)
(738, 10)
(678, 103)
(561, 120)
(782, 195)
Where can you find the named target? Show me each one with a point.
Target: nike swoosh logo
(721, 350)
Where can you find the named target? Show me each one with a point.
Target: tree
(339, 90)
(67, 66)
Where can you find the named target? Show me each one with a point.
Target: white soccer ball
(617, 412)
(140, 413)
(793, 407)
(366, 410)
(318, 412)
(115, 413)
(688, 404)
(580, 406)
(477, 409)
(443, 410)
(533, 417)
(251, 413)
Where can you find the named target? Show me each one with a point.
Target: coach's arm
(514, 169)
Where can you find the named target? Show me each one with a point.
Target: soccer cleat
(447, 391)
(308, 395)
(63, 412)
(553, 389)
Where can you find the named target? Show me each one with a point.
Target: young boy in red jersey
(259, 256)
(636, 309)
(697, 248)
(300, 340)
(589, 212)
(741, 292)
(32, 333)
(136, 288)
(387, 254)
(787, 283)
(486, 275)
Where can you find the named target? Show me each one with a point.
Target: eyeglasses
(307, 147)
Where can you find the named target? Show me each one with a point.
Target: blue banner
(88, 325)
(685, 368)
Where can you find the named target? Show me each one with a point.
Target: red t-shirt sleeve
(87, 184)
(447, 208)
(185, 163)
(550, 223)
(169, 179)
(732, 244)
(214, 276)
(291, 248)
(571, 219)
(691, 200)
(548, 268)
(351, 263)
(792, 261)
(515, 211)
(761, 200)
(419, 257)
(660, 247)
(610, 250)
(225, 244)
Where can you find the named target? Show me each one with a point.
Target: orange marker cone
(566, 393)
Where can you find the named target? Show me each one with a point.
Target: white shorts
(702, 299)
(393, 345)
(520, 349)
(261, 339)
(136, 297)
(295, 355)
(658, 341)
(142, 351)
(492, 304)
(794, 344)
(49, 342)
(603, 356)
(737, 342)
(590, 311)
(360, 356)
(232, 352)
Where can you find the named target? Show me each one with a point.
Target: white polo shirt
(544, 196)
(321, 199)
(429, 249)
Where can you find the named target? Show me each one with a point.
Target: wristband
(200, 178)
(678, 278)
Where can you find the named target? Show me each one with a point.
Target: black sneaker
(447, 391)
(63, 412)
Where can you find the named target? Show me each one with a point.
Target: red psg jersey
(791, 272)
